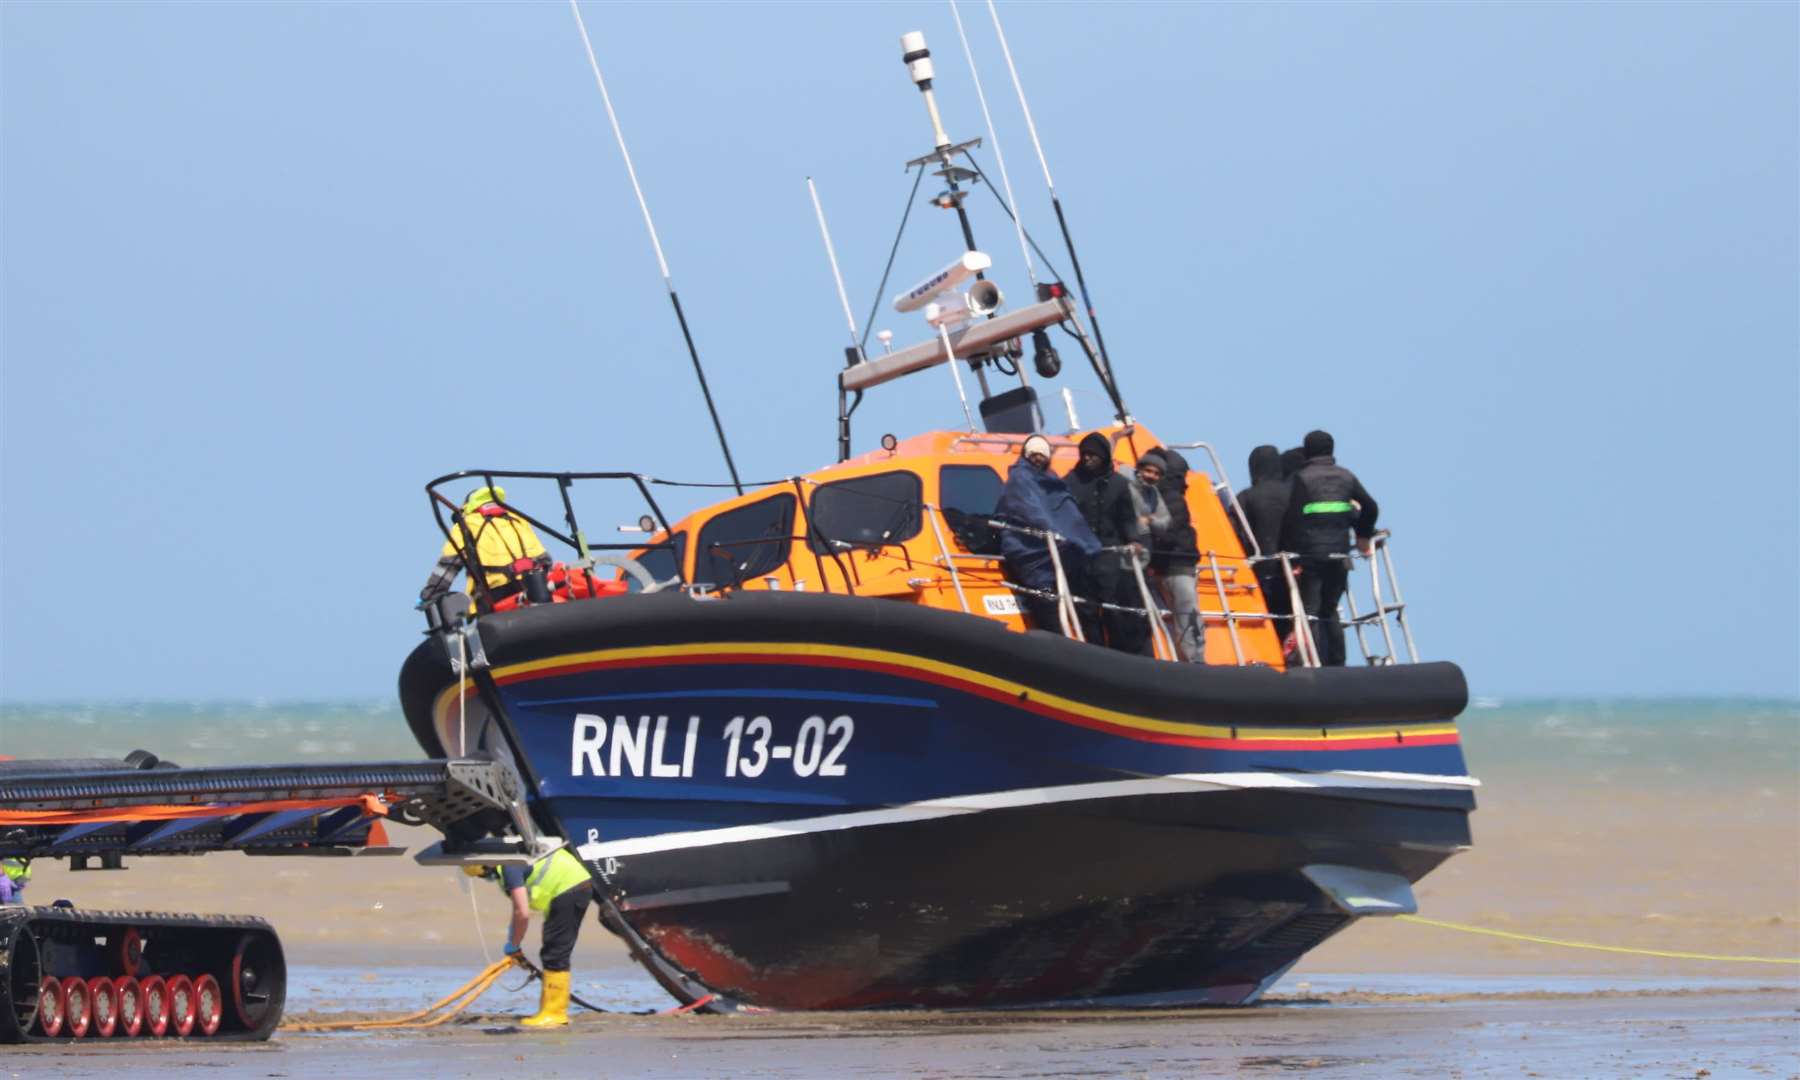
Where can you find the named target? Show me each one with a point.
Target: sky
(266, 269)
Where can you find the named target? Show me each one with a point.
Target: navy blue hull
(825, 802)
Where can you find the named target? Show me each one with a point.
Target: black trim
(1249, 696)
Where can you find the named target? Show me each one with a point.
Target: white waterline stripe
(956, 805)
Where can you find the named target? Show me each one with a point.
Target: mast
(918, 64)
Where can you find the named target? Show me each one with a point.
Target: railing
(452, 523)
(1381, 561)
(1374, 626)
(1350, 617)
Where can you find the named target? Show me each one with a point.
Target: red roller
(156, 1005)
(209, 1004)
(103, 1004)
(131, 951)
(130, 997)
(50, 1006)
(181, 1005)
(78, 1008)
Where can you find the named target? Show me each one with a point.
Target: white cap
(1037, 444)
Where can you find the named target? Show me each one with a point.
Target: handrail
(1381, 561)
(1223, 483)
(1237, 646)
(945, 560)
(1382, 536)
(1065, 607)
(1160, 641)
(1387, 597)
(1380, 558)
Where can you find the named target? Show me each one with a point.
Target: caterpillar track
(68, 974)
(71, 974)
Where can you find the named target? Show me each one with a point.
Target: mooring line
(462, 998)
(1560, 943)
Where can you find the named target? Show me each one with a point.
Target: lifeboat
(816, 756)
(823, 762)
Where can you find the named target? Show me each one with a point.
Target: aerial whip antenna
(1105, 363)
(1005, 182)
(836, 274)
(661, 262)
(854, 354)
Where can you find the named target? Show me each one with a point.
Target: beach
(1669, 827)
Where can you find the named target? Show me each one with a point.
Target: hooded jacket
(1265, 501)
(1103, 495)
(1292, 461)
(1327, 502)
(1038, 498)
(1177, 550)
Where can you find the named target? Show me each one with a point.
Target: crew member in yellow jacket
(506, 547)
(559, 888)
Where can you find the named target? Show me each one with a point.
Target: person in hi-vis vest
(559, 888)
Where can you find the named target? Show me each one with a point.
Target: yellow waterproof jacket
(500, 541)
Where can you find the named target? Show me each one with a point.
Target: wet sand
(1642, 870)
(1646, 856)
(1661, 1034)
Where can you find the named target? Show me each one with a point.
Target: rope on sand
(1467, 929)
(462, 998)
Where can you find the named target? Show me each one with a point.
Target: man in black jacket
(1105, 501)
(1175, 553)
(1265, 505)
(1326, 504)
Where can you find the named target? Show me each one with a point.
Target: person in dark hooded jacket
(1105, 501)
(1175, 553)
(1037, 498)
(1265, 504)
(1293, 460)
(1326, 505)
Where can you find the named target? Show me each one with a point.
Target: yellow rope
(457, 1001)
(1464, 928)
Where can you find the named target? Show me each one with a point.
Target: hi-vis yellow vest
(552, 876)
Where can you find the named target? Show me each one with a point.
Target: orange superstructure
(909, 524)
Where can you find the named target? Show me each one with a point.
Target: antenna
(1018, 215)
(1104, 363)
(918, 65)
(655, 243)
(836, 275)
(854, 354)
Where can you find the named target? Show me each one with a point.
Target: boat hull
(827, 802)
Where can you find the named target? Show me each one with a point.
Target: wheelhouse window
(663, 563)
(969, 494)
(745, 543)
(866, 512)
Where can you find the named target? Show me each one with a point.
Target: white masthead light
(918, 65)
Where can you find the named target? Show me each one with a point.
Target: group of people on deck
(1113, 526)
(1113, 529)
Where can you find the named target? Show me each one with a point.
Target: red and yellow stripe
(967, 680)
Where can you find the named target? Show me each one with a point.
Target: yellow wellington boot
(553, 1005)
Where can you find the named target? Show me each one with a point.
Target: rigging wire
(869, 325)
(1102, 362)
(661, 262)
(1055, 274)
(994, 139)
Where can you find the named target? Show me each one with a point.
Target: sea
(1603, 740)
